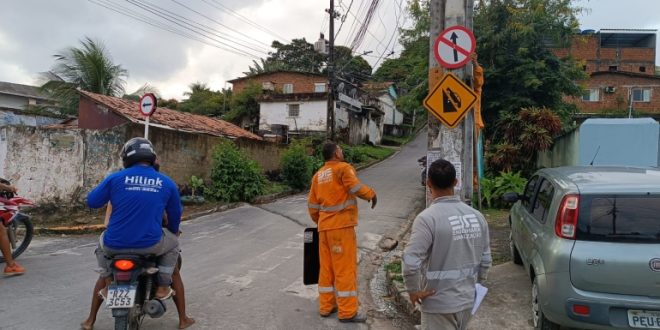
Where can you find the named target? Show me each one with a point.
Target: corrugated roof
(172, 119)
(21, 90)
(377, 86)
(626, 73)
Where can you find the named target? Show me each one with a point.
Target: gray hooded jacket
(449, 251)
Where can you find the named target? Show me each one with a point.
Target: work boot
(14, 269)
(332, 311)
(359, 317)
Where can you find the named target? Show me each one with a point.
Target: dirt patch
(498, 224)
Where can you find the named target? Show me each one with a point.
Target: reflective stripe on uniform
(313, 206)
(339, 207)
(453, 274)
(355, 189)
(345, 294)
(326, 289)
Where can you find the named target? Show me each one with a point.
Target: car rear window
(619, 218)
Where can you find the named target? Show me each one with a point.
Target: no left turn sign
(454, 46)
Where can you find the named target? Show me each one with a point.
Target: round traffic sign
(454, 46)
(148, 104)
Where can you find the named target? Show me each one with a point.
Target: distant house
(25, 105)
(386, 94)
(621, 68)
(296, 103)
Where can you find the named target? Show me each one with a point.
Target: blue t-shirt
(139, 195)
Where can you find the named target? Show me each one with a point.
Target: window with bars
(319, 87)
(294, 110)
(287, 89)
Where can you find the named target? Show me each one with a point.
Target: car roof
(606, 179)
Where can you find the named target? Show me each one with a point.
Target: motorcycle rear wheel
(20, 231)
(127, 322)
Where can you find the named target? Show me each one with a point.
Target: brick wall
(302, 83)
(618, 100)
(587, 48)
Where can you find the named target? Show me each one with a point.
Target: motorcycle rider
(139, 195)
(11, 267)
(177, 284)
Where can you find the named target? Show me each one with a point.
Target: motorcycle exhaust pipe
(155, 308)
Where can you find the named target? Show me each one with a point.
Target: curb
(95, 229)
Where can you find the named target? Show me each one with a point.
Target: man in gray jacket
(448, 253)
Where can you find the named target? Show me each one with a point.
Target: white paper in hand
(479, 294)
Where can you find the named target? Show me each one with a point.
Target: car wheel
(513, 251)
(538, 319)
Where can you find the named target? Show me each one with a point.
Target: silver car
(589, 238)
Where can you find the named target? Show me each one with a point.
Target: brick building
(286, 82)
(621, 69)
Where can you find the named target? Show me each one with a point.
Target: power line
(343, 19)
(185, 23)
(396, 29)
(258, 44)
(247, 20)
(131, 14)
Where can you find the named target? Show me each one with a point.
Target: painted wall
(564, 151)
(621, 142)
(16, 118)
(392, 115)
(313, 115)
(62, 165)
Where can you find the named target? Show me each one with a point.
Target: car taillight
(124, 265)
(567, 217)
(581, 309)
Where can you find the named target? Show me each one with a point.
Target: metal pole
(146, 128)
(455, 145)
(331, 59)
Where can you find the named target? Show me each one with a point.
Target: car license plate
(644, 319)
(121, 296)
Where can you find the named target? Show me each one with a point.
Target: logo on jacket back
(465, 227)
(325, 176)
(143, 183)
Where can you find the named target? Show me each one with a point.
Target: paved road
(242, 268)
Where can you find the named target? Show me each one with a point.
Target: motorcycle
(19, 227)
(131, 294)
(422, 163)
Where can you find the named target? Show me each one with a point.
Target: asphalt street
(242, 268)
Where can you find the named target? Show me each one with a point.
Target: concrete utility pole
(455, 145)
(331, 77)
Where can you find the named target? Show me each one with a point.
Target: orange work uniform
(333, 207)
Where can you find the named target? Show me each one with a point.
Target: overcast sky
(31, 31)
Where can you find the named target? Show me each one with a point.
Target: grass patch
(273, 187)
(395, 140)
(394, 269)
(366, 154)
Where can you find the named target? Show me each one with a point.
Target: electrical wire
(247, 20)
(144, 19)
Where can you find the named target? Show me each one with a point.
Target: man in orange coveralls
(333, 207)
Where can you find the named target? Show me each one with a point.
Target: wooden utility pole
(331, 78)
(455, 145)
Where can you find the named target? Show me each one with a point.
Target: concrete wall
(17, 118)
(63, 165)
(392, 115)
(313, 115)
(564, 151)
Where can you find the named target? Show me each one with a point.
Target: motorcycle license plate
(121, 296)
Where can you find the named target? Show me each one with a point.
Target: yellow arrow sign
(449, 100)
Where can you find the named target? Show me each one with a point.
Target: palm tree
(88, 67)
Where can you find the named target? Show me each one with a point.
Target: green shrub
(493, 188)
(234, 177)
(354, 155)
(297, 166)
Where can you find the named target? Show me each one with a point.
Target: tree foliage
(245, 104)
(514, 38)
(203, 101)
(88, 67)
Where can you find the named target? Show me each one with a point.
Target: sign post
(148, 103)
(451, 125)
